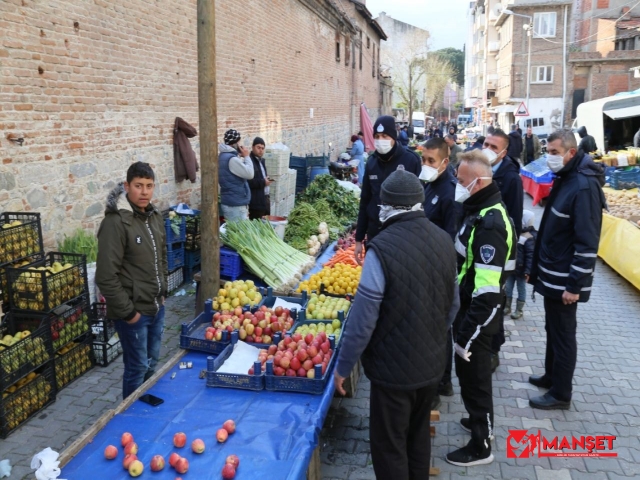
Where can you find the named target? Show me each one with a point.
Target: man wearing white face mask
(564, 260)
(388, 157)
(486, 246)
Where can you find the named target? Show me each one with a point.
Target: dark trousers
(476, 387)
(562, 347)
(399, 432)
(499, 338)
(257, 214)
(446, 376)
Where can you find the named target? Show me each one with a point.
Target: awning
(503, 109)
(626, 112)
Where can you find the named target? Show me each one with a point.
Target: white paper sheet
(241, 360)
(284, 304)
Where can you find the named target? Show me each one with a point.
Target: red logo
(522, 444)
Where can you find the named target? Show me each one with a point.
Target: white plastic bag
(46, 462)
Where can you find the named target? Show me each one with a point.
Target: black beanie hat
(231, 137)
(258, 141)
(387, 125)
(402, 188)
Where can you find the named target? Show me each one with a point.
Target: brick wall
(94, 86)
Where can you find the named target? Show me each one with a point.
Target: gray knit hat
(402, 188)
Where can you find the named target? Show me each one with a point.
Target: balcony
(480, 22)
(494, 47)
(492, 81)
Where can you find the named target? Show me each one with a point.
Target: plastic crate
(192, 333)
(73, 361)
(192, 258)
(193, 239)
(106, 352)
(314, 386)
(253, 382)
(171, 235)
(27, 399)
(19, 240)
(42, 291)
(102, 328)
(625, 179)
(27, 354)
(174, 280)
(276, 161)
(231, 265)
(4, 284)
(302, 322)
(175, 256)
(188, 273)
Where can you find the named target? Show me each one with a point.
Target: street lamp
(529, 28)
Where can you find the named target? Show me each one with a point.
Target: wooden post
(208, 150)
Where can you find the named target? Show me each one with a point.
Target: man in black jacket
(587, 142)
(515, 143)
(260, 203)
(564, 261)
(410, 268)
(388, 157)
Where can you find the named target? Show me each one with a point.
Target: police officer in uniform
(389, 156)
(486, 246)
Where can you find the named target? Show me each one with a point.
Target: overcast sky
(446, 20)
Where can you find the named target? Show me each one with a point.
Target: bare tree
(438, 73)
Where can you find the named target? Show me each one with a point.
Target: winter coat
(440, 205)
(537, 149)
(376, 171)
(132, 258)
(510, 184)
(257, 184)
(185, 164)
(526, 245)
(588, 143)
(515, 145)
(567, 244)
(234, 187)
(403, 138)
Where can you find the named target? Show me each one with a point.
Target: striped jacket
(567, 245)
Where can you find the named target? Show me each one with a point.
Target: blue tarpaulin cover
(276, 433)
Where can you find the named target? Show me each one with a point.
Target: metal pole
(210, 272)
(530, 33)
(564, 67)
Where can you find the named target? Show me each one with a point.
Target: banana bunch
(24, 398)
(18, 240)
(71, 362)
(20, 350)
(63, 283)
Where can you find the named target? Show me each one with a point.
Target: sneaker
(467, 456)
(465, 423)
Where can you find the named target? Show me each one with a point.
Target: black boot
(495, 362)
(518, 313)
(507, 307)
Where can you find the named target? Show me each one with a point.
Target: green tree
(456, 58)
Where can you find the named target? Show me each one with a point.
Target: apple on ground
(233, 460)
(197, 446)
(222, 435)
(131, 448)
(126, 438)
(228, 472)
(136, 468)
(128, 459)
(182, 465)
(110, 452)
(180, 439)
(229, 426)
(157, 463)
(173, 458)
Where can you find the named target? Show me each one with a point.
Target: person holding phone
(235, 169)
(131, 273)
(260, 204)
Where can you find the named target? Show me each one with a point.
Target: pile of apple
(258, 327)
(295, 356)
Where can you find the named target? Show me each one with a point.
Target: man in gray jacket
(235, 170)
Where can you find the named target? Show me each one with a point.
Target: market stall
(537, 179)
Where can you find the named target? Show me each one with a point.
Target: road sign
(522, 111)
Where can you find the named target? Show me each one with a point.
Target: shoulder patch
(487, 252)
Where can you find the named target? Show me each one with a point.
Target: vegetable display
(278, 264)
(343, 205)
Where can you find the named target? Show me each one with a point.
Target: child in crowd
(526, 244)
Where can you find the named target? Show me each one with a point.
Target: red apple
(209, 335)
(180, 439)
(325, 346)
(296, 337)
(157, 463)
(273, 349)
(291, 372)
(258, 340)
(135, 468)
(247, 315)
(131, 448)
(254, 321)
(308, 364)
(110, 452)
(228, 472)
(237, 311)
(259, 315)
(229, 426)
(128, 459)
(197, 446)
(268, 331)
(302, 372)
(233, 460)
(258, 331)
(182, 465)
(285, 362)
(279, 371)
(302, 354)
(278, 311)
(317, 360)
(287, 340)
(216, 316)
(126, 438)
(308, 338)
(173, 458)
(222, 435)
(295, 363)
(251, 371)
(312, 351)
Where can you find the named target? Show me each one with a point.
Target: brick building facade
(94, 86)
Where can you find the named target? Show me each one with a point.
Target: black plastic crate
(175, 279)
(26, 354)
(188, 273)
(192, 258)
(175, 256)
(4, 284)
(193, 236)
(20, 235)
(44, 285)
(73, 361)
(106, 352)
(24, 400)
(102, 328)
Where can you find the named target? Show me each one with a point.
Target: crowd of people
(447, 239)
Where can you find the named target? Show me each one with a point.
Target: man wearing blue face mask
(389, 156)
(564, 260)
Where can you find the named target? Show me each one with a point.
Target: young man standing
(132, 273)
(260, 204)
(235, 169)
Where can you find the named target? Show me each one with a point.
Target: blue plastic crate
(192, 258)
(172, 237)
(625, 179)
(231, 265)
(253, 382)
(175, 256)
(314, 386)
(192, 333)
(303, 322)
(189, 272)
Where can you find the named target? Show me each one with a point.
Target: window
(337, 47)
(347, 50)
(544, 24)
(368, 42)
(360, 51)
(373, 62)
(542, 74)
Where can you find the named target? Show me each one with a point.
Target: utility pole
(208, 115)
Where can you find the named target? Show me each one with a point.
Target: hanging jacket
(185, 163)
(440, 205)
(507, 177)
(131, 269)
(486, 246)
(567, 245)
(257, 185)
